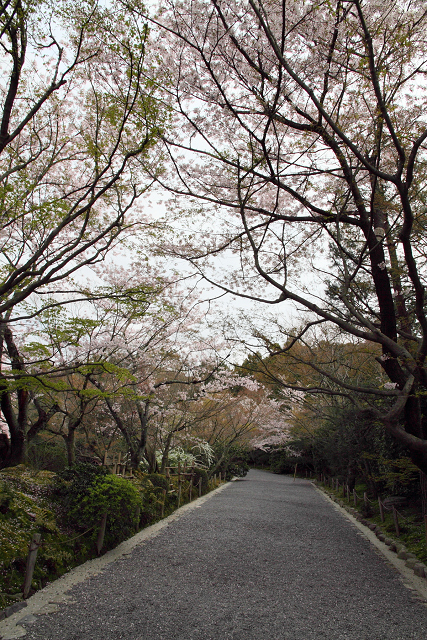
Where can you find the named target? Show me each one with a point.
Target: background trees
(301, 127)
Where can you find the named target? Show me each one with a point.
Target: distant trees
(301, 139)
(129, 374)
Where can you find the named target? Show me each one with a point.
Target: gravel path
(265, 559)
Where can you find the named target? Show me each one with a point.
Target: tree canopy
(301, 140)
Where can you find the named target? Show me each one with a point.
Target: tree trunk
(423, 487)
(165, 456)
(70, 439)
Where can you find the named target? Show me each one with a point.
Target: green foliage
(6, 497)
(158, 480)
(152, 499)
(47, 454)
(395, 476)
(280, 462)
(112, 495)
(22, 515)
(73, 483)
(239, 469)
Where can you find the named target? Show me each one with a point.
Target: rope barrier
(365, 498)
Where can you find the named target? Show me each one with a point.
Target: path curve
(267, 558)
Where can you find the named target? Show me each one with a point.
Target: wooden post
(101, 534)
(200, 487)
(163, 503)
(105, 458)
(355, 497)
(137, 517)
(365, 499)
(425, 522)
(381, 508)
(179, 491)
(31, 562)
(396, 520)
(295, 472)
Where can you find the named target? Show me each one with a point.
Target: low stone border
(411, 560)
(13, 608)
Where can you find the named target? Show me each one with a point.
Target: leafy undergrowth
(411, 522)
(66, 511)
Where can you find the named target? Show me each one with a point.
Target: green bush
(239, 469)
(73, 483)
(112, 495)
(158, 480)
(46, 454)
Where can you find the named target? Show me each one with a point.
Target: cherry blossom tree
(48, 367)
(77, 123)
(232, 413)
(300, 142)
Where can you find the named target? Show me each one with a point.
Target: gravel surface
(266, 559)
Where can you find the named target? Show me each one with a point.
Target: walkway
(264, 559)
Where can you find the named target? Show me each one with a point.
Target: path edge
(409, 579)
(48, 599)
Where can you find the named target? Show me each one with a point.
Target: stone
(411, 562)
(420, 569)
(14, 608)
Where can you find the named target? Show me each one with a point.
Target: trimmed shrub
(112, 495)
(158, 480)
(239, 468)
(73, 483)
